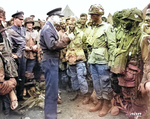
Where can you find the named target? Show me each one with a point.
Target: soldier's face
(63, 25)
(67, 22)
(72, 26)
(94, 18)
(147, 18)
(18, 21)
(29, 25)
(83, 20)
(57, 27)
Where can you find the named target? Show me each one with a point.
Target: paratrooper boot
(98, 106)
(86, 100)
(74, 95)
(105, 109)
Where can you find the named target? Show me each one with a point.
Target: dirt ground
(68, 110)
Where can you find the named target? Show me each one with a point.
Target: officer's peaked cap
(18, 14)
(56, 11)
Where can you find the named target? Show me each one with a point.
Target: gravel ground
(68, 110)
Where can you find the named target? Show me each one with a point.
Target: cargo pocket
(106, 82)
(84, 69)
(100, 54)
(77, 42)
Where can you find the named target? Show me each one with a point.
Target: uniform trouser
(4, 106)
(37, 71)
(77, 73)
(30, 63)
(50, 69)
(21, 75)
(64, 77)
(101, 81)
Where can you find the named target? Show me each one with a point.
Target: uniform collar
(16, 28)
(98, 25)
(85, 26)
(29, 31)
(51, 25)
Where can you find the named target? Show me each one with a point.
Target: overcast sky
(39, 8)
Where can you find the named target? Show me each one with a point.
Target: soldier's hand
(147, 86)
(71, 36)
(34, 48)
(7, 86)
(142, 89)
(14, 56)
(27, 48)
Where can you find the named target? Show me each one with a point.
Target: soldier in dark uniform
(17, 33)
(51, 45)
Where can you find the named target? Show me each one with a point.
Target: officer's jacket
(49, 42)
(103, 42)
(18, 40)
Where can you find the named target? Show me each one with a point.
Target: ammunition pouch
(62, 54)
(30, 54)
(74, 55)
(120, 61)
(98, 55)
(80, 54)
(129, 79)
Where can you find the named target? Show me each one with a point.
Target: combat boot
(59, 101)
(68, 89)
(98, 106)
(86, 99)
(74, 96)
(105, 109)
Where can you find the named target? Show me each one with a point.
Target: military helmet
(62, 22)
(133, 14)
(28, 20)
(147, 18)
(96, 9)
(117, 16)
(148, 10)
(36, 24)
